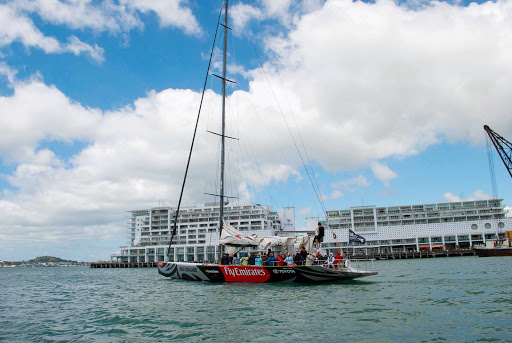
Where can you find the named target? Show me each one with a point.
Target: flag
(354, 237)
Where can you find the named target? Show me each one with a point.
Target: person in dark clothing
(304, 253)
(298, 259)
(320, 235)
(225, 259)
(252, 259)
(321, 258)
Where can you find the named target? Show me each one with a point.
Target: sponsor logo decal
(245, 274)
(283, 271)
(188, 269)
(212, 271)
(160, 264)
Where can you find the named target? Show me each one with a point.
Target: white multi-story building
(415, 227)
(197, 237)
(386, 229)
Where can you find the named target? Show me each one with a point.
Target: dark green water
(462, 299)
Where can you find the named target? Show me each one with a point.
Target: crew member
(319, 235)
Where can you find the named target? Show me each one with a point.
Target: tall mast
(223, 138)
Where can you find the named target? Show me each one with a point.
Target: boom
(503, 147)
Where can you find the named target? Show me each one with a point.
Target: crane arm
(503, 147)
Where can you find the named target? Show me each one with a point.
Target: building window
(474, 226)
(487, 226)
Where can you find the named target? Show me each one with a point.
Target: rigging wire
(317, 192)
(491, 167)
(317, 189)
(194, 136)
(237, 122)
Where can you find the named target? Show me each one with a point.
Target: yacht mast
(223, 137)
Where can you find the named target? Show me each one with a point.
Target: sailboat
(231, 239)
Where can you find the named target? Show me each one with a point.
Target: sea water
(456, 299)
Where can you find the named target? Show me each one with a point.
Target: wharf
(124, 264)
(397, 255)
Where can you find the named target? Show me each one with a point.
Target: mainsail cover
(231, 236)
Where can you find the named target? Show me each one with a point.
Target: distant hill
(46, 259)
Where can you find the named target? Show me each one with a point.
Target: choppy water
(444, 299)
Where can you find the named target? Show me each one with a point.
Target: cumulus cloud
(508, 209)
(8, 72)
(383, 173)
(335, 194)
(170, 13)
(477, 195)
(358, 181)
(83, 14)
(306, 211)
(15, 27)
(283, 12)
(77, 47)
(369, 81)
(16, 24)
(132, 158)
(37, 112)
(363, 82)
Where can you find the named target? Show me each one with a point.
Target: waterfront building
(197, 237)
(386, 229)
(416, 227)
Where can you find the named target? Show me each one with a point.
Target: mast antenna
(223, 133)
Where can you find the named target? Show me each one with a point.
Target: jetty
(124, 264)
(395, 255)
(398, 255)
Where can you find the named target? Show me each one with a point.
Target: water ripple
(449, 299)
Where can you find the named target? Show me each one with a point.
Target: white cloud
(37, 112)
(477, 195)
(383, 173)
(241, 15)
(335, 194)
(369, 81)
(509, 210)
(304, 211)
(106, 15)
(8, 72)
(80, 14)
(283, 11)
(170, 13)
(15, 27)
(364, 82)
(359, 181)
(16, 24)
(76, 46)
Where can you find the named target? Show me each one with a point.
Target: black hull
(493, 252)
(256, 274)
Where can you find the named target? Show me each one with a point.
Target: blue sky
(98, 101)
